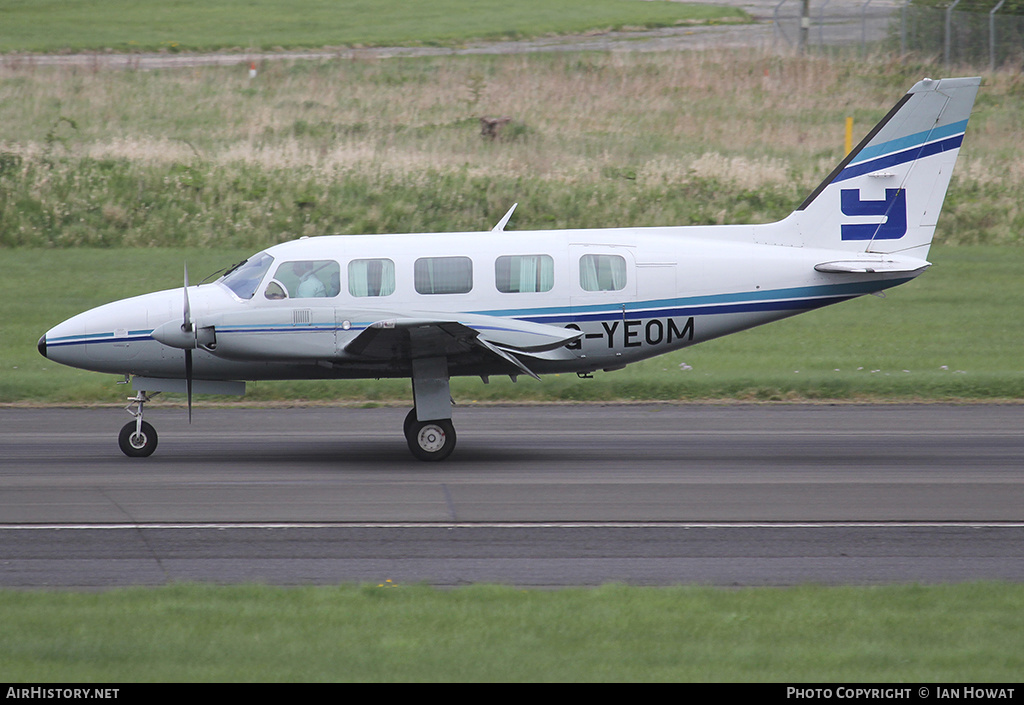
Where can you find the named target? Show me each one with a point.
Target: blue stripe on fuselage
(778, 299)
(108, 337)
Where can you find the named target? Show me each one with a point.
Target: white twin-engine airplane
(433, 306)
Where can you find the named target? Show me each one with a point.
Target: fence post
(903, 28)
(992, 36)
(821, 24)
(864, 27)
(805, 25)
(949, 29)
(776, 27)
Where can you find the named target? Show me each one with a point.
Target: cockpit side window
(246, 278)
(307, 279)
(275, 291)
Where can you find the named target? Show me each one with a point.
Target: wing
(476, 344)
(488, 341)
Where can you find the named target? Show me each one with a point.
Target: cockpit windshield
(244, 278)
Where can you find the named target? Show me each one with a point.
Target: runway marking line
(526, 525)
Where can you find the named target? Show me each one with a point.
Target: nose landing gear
(137, 438)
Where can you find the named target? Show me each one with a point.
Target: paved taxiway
(836, 23)
(548, 495)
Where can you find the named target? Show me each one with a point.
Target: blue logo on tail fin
(893, 207)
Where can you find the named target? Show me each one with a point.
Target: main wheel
(410, 419)
(431, 440)
(137, 444)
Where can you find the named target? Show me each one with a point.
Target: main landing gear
(137, 438)
(428, 427)
(429, 440)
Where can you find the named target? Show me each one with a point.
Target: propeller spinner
(188, 335)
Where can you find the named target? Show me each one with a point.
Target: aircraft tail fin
(886, 195)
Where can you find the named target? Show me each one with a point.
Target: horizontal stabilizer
(879, 265)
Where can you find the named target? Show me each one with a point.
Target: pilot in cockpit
(309, 283)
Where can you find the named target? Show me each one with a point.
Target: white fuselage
(672, 287)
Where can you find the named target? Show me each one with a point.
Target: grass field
(188, 25)
(386, 632)
(208, 157)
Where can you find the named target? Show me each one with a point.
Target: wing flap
(507, 357)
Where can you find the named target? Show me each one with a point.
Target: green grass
(207, 157)
(951, 634)
(187, 25)
(951, 334)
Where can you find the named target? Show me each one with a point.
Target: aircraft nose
(42, 346)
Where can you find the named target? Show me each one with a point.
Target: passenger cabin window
(371, 277)
(244, 279)
(516, 274)
(305, 279)
(602, 272)
(443, 275)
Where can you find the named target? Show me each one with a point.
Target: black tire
(410, 419)
(431, 440)
(134, 445)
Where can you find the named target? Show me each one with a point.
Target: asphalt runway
(544, 496)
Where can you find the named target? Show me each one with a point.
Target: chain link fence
(975, 37)
(979, 34)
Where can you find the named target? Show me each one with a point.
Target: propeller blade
(187, 327)
(187, 313)
(188, 381)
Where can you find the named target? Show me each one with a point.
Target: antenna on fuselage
(500, 227)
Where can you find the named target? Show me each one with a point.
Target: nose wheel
(137, 440)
